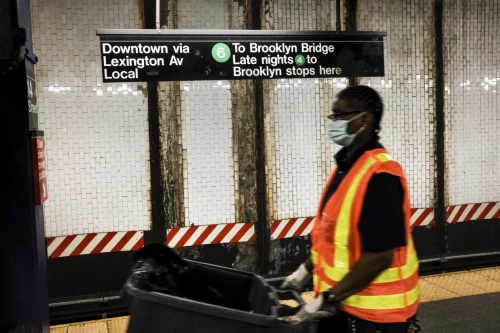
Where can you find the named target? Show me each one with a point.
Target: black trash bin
(253, 306)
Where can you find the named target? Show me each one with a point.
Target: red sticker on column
(39, 170)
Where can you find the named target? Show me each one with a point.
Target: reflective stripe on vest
(394, 301)
(389, 275)
(341, 255)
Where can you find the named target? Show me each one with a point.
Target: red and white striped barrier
(291, 228)
(421, 217)
(297, 227)
(74, 245)
(211, 234)
(471, 212)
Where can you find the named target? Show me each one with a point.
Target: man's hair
(364, 98)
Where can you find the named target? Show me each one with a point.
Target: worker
(363, 260)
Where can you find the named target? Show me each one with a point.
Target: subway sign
(185, 55)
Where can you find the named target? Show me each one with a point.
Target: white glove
(297, 279)
(315, 311)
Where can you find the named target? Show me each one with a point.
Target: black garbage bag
(158, 268)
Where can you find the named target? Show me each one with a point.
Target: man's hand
(297, 279)
(315, 311)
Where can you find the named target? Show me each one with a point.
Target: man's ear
(367, 118)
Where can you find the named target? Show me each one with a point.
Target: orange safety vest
(394, 295)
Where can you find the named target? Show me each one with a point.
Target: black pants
(345, 323)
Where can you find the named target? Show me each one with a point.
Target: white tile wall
(96, 133)
(472, 100)
(209, 168)
(299, 155)
(408, 126)
(207, 143)
(207, 14)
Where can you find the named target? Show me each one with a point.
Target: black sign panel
(32, 102)
(184, 55)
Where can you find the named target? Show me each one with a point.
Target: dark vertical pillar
(158, 228)
(351, 24)
(23, 281)
(338, 15)
(440, 212)
(262, 235)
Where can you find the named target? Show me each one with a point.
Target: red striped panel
(422, 217)
(222, 233)
(139, 244)
(474, 209)
(190, 231)
(487, 210)
(64, 244)
(49, 240)
(98, 249)
(449, 210)
(460, 211)
(303, 226)
(171, 234)
(205, 234)
(274, 226)
(83, 244)
(123, 241)
(241, 233)
(287, 228)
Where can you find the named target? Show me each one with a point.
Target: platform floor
(467, 302)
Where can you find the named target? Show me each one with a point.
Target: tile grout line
(486, 278)
(490, 281)
(484, 270)
(462, 295)
(439, 287)
(485, 291)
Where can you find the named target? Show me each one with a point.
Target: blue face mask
(337, 131)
